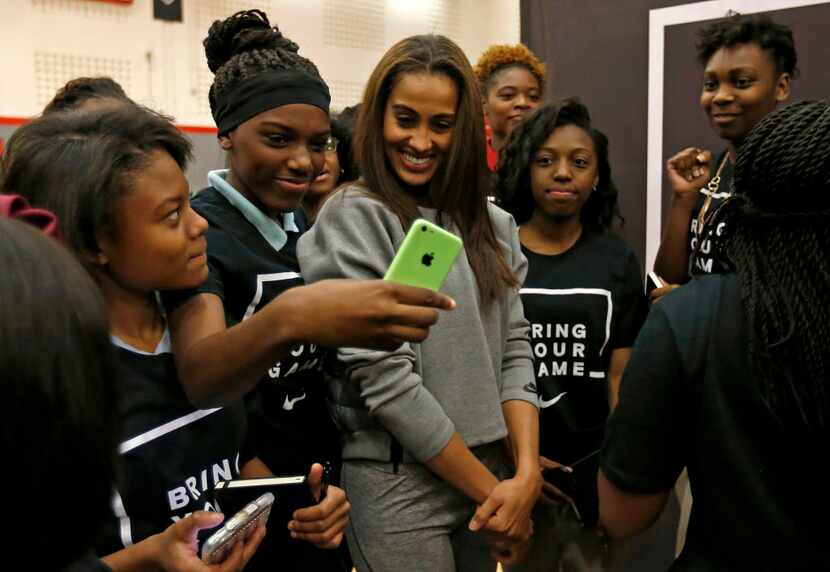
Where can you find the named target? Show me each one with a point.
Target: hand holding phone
(238, 528)
(324, 522)
(656, 287)
(425, 256)
(653, 281)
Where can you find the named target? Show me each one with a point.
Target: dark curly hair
(342, 127)
(245, 45)
(513, 187)
(776, 39)
(78, 91)
(778, 240)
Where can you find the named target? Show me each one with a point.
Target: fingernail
(291, 525)
(293, 535)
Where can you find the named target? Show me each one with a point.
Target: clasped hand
(505, 516)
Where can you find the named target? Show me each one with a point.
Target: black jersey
(289, 424)
(171, 453)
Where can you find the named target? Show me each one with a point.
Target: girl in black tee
(127, 217)
(748, 63)
(584, 298)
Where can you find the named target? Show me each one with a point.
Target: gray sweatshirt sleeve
(518, 377)
(355, 237)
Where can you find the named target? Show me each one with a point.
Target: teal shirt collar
(270, 230)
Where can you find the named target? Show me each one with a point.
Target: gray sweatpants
(412, 520)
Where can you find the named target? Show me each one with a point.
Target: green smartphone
(425, 257)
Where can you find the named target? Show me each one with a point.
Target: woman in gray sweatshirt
(425, 425)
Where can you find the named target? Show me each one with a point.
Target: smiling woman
(441, 407)
(748, 64)
(417, 126)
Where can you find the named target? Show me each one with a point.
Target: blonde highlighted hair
(501, 56)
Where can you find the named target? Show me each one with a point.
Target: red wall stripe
(201, 129)
(13, 120)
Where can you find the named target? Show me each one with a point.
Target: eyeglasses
(331, 144)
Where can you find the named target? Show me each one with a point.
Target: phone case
(291, 492)
(653, 282)
(425, 256)
(239, 527)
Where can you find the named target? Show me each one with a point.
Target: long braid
(779, 244)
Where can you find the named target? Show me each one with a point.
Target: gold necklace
(712, 187)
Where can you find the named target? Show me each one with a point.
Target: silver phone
(238, 528)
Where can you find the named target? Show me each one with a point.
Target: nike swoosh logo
(288, 405)
(547, 403)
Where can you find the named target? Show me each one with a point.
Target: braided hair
(513, 188)
(778, 242)
(245, 45)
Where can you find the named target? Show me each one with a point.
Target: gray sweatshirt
(475, 358)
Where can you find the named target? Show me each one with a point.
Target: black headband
(267, 91)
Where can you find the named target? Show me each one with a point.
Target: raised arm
(217, 364)
(353, 237)
(688, 172)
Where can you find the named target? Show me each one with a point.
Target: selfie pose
(424, 424)
(250, 329)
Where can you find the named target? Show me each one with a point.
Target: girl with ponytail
(252, 329)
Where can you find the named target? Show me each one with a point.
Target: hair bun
(242, 32)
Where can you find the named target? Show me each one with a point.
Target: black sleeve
(647, 432)
(632, 306)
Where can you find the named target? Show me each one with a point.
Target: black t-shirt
(688, 398)
(289, 424)
(706, 242)
(582, 305)
(171, 455)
